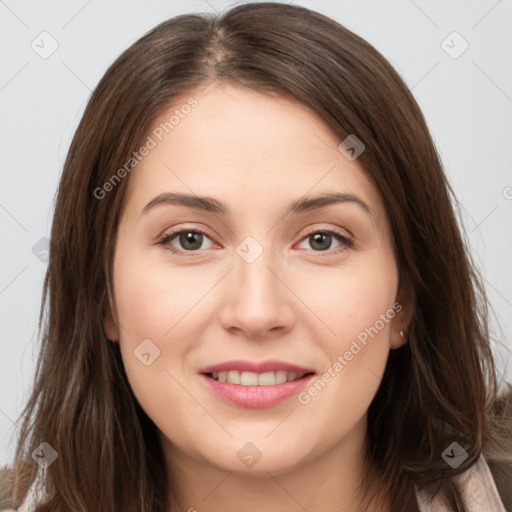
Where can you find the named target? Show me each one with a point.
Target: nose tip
(258, 304)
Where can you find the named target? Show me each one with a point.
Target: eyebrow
(212, 205)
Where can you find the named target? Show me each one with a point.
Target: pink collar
(478, 488)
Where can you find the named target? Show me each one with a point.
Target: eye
(189, 240)
(321, 240)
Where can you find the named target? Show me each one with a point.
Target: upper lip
(250, 366)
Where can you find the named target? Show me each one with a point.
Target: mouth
(246, 378)
(256, 385)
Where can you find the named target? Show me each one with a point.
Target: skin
(256, 153)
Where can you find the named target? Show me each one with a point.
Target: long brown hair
(438, 388)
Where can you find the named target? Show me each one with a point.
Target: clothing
(478, 488)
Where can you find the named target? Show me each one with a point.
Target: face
(295, 306)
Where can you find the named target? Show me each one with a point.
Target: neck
(330, 481)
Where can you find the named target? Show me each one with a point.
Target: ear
(110, 326)
(404, 307)
(110, 323)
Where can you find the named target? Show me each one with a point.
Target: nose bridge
(259, 301)
(258, 286)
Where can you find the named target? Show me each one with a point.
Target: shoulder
(26, 507)
(29, 505)
(478, 489)
(18, 510)
(23, 508)
(7, 484)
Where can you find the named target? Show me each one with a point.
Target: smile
(255, 384)
(256, 379)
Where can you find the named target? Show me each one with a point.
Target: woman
(258, 295)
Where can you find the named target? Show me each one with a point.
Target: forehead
(247, 149)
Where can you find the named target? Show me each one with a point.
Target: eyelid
(347, 241)
(166, 238)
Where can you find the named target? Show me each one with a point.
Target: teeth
(248, 379)
(233, 377)
(267, 379)
(281, 377)
(256, 379)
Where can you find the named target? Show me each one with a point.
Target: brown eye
(187, 240)
(190, 240)
(320, 241)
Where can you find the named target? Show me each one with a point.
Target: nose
(257, 302)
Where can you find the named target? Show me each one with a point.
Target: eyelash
(347, 243)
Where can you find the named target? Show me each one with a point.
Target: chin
(257, 458)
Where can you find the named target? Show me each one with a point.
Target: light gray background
(467, 102)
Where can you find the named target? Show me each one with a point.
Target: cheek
(163, 305)
(152, 305)
(152, 298)
(352, 299)
(358, 305)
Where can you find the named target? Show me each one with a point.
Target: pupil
(318, 238)
(195, 240)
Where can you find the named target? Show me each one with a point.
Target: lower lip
(256, 396)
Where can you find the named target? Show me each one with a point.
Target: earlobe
(400, 341)
(110, 327)
(402, 321)
(109, 322)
